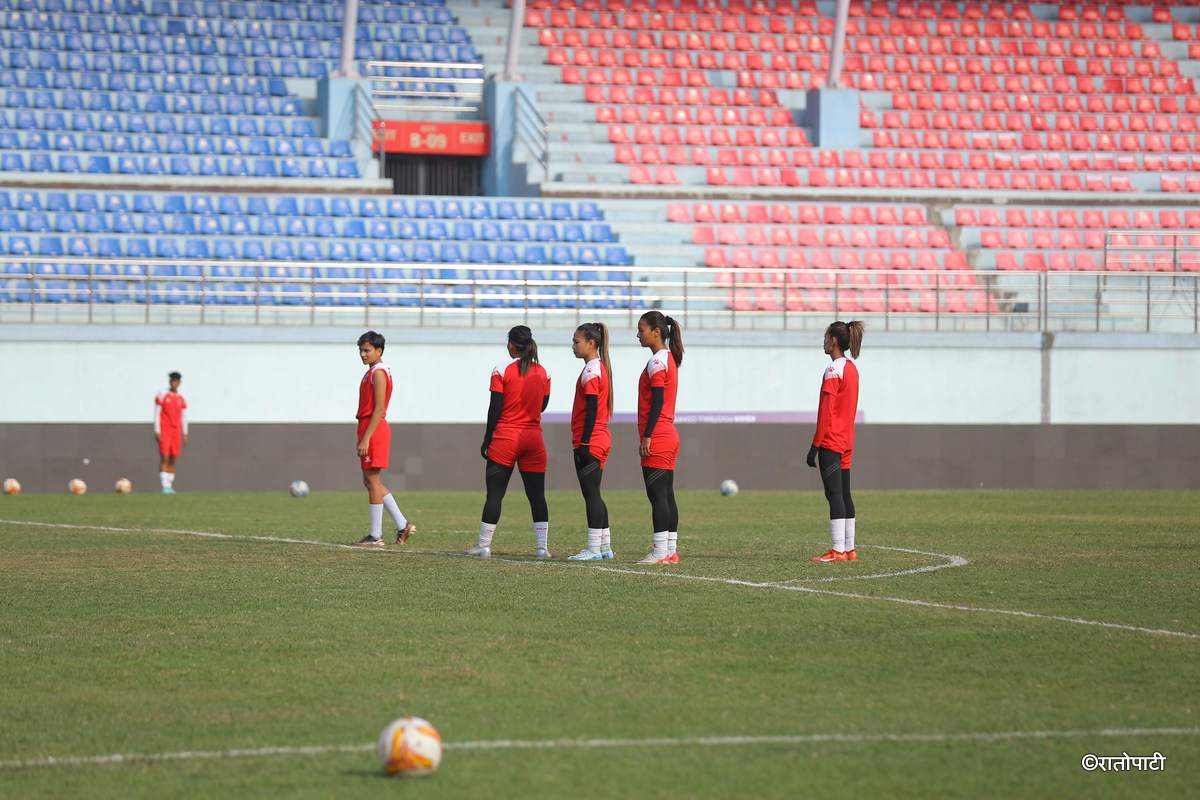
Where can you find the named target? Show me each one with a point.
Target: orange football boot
(829, 557)
(852, 555)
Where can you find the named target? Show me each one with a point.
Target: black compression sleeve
(591, 405)
(545, 402)
(657, 395)
(493, 417)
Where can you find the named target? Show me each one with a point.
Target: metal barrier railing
(366, 129)
(531, 131)
(412, 92)
(34, 289)
(1152, 250)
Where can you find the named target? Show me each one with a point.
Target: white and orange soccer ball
(123, 486)
(409, 747)
(12, 486)
(76, 486)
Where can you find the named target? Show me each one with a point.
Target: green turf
(141, 642)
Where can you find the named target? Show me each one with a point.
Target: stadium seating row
(128, 77)
(800, 214)
(226, 166)
(771, 258)
(107, 122)
(176, 143)
(320, 227)
(316, 10)
(315, 250)
(423, 208)
(151, 27)
(167, 103)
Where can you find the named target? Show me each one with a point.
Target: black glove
(583, 455)
(483, 448)
(811, 459)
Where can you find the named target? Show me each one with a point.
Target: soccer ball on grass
(298, 489)
(729, 488)
(123, 486)
(12, 486)
(76, 486)
(409, 747)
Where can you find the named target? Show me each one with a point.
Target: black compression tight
(660, 488)
(837, 484)
(496, 480)
(590, 475)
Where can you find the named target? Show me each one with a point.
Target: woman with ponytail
(589, 433)
(659, 444)
(833, 443)
(513, 439)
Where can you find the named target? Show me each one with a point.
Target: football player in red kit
(659, 444)
(833, 443)
(520, 390)
(590, 439)
(374, 439)
(170, 430)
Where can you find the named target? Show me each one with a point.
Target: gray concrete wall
(759, 456)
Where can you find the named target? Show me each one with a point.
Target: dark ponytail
(848, 335)
(521, 338)
(597, 333)
(672, 333)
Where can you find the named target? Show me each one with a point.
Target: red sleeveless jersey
(366, 392)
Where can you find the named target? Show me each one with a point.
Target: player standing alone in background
(520, 390)
(659, 445)
(589, 433)
(170, 430)
(375, 441)
(833, 443)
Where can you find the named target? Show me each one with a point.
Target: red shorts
(170, 443)
(379, 449)
(524, 448)
(664, 448)
(599, 446)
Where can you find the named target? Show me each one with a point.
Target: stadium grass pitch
(148, 642)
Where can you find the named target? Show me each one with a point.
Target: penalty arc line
(645, 573)
(589, 744)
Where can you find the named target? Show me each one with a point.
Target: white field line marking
(589, 744)
(649, 573)
(950, 561)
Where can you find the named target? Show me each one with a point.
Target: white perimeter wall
(110, 374)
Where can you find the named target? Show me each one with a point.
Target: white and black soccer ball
(729, 488)
(298, 489)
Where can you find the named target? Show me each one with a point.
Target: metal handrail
(531, 130)
(397, 86)
(736, 298)
(366, 129)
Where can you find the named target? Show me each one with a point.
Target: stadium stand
(1048, 109)
(178, 89)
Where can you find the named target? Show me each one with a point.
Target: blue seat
(50, 246)
(464, 231)
(561, 254)
(253, 250)
(323, 227)
(546, 232)
(573, 232)
(534, 254)
(507, 209)
(407, 229)
(314, 207)
(601, 233)
(480, 209)
(339, 251)
(507, 254)
(422, 252)
(281, 250)
(436, 230)
(296, 226)
(534, 210)
(340, 207)
(397, 208)
(37, 222)
(518, 232)
(424, 209)
(196, 248)
(382, 229)
(365, 251)
(369, 207)
(589, 212)
(267, 226)
(450, 253)
(395, 252)
(479, 253)
(348, 169)
(616, 257)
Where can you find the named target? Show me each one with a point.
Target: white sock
(164, 477)
(606, 539)
(837, 531)
(595, 535)
(850, 533)
(389, 503)
(541, 532)
(672, 540)
(660, 544)
(376, 510)
(170, 479)
(486, 532)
